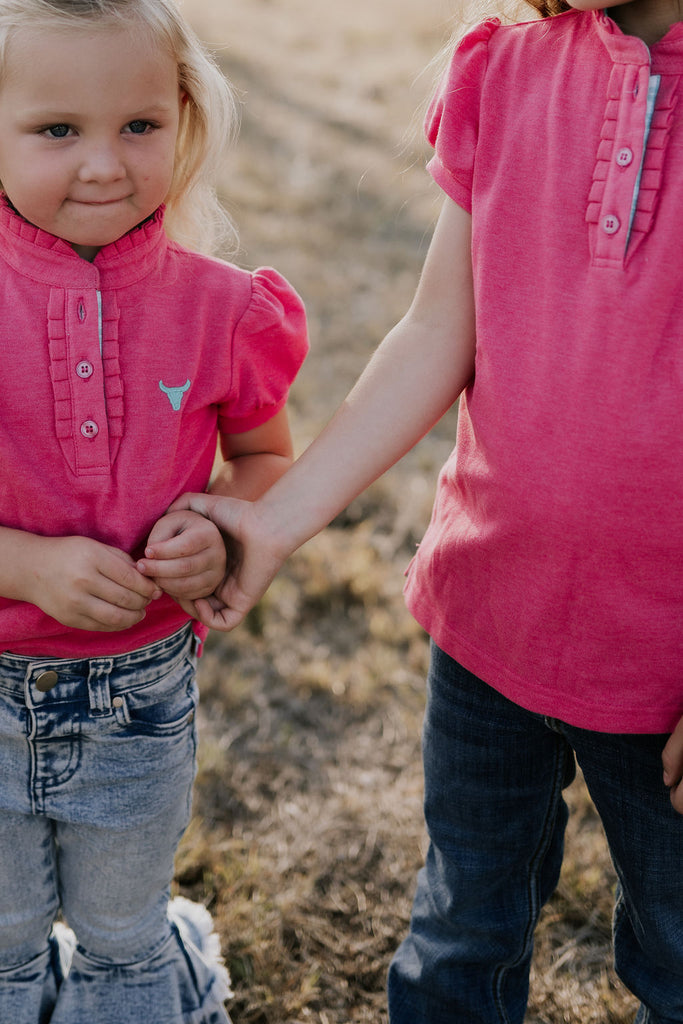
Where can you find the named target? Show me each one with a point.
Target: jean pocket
(164, 707)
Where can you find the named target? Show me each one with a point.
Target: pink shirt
(553, 564)
(116, 377)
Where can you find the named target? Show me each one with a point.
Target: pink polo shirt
(553, 564)
(116, 377)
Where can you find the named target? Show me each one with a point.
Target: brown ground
(308, 830)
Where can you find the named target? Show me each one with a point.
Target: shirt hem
(594, 717)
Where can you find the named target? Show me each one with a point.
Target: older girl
(551, 576)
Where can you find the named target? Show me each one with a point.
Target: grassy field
(307, 831)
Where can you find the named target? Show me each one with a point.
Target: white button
(624, 156)
(610, 224)
(117, 702)
(84, 369)
(89, 429)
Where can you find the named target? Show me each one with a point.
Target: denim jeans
(97, 761)
(494, 775)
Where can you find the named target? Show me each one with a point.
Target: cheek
(158, 176)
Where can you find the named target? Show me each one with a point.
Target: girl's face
(88, 126)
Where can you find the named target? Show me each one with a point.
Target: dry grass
(307, 831)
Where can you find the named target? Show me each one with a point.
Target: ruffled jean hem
(185, 983)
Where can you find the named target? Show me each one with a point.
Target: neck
(648, 19)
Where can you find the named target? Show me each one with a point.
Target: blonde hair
(208, 118)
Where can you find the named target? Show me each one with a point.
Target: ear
(184, 98)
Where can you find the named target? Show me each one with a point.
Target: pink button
(84, 369)
(610, 224)
(624, 156)
(89, 429)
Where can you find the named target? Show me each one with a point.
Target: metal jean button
(46, 680)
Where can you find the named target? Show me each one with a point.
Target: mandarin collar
(50, 260)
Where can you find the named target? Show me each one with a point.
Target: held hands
(88, 585)
(253, 561)
(85, 584)
(253, 558)
(185, 556)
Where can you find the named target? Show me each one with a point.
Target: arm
(415, 375)
(78, 581)
(185, 553)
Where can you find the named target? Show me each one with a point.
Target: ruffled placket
(639, 111)
(83, 329)
(86, 377)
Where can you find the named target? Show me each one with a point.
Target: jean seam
(533, 890)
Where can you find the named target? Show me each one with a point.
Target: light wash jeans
(97, 761)
(494, 775)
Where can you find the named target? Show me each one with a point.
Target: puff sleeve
(269, 345)
(452, 122)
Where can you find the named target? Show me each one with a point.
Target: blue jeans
(494, 775)
(97, 761)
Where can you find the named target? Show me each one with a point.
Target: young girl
(551, 576)
(126, 355)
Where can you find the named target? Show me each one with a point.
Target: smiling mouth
(100, 202)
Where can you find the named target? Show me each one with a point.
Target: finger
(107, 618)
(672, 757)
(182, 545)
(201, 503)
(676, 794)
(189, 607)
(191, 587)
(196, 530)
(224, 512)
(164, 570)
(110, 594)
(217, 616)
(122, 572)
(164, 529)
(118, 583)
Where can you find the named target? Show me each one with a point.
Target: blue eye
(58, 131)
(139, 127)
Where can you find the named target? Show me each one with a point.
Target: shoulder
(204, 273)
(512, 57)
(492, 37)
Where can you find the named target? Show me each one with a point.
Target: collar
(666, 55)
(50, 260)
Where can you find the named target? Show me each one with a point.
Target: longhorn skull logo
(175, 395)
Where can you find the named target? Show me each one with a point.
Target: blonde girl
(550, 579)
(126, 356)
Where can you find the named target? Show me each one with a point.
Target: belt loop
(99, 695)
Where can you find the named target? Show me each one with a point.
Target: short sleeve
(452, 123)
(269, 345)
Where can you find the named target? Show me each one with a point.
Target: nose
(101, 163)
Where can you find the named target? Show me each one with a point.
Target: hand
(253, 560)
(185, 556)
(672, 759)
(88, 585)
